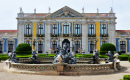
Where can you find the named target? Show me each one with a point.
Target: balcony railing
(25, 35)
(65, 35)
(38, 35)
(77, 35)
(103, 35)
(91, 35)
(54, 35)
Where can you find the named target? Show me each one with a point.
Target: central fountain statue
(63, 56)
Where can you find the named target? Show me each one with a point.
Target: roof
(8, 31)
(123, 32)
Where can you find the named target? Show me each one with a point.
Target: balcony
(38, 35)
(65, 35)
(77, 35)
(103, 35)
(54, 35)
(91, 35)
(25, 35)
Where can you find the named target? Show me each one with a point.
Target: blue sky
(10, 8)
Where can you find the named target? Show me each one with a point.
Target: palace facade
(86, 31)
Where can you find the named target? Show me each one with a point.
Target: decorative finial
(35, 10)
(97, 10)
(111, 10)
(20, 9)
(49, 9)
(83, 9)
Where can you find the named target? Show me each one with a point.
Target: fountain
(64, 63)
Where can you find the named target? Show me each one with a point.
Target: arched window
(66, 28)
(28, 30)
(91, 29)
(91, 46)
(54, 32)
(77, 29)
(103, 29)
(40, 29)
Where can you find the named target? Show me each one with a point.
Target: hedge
(24, 52)
(119, 52)
(123, 57)
(107, 47)
(129, 59)
(126, 77)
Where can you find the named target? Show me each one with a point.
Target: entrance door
(0, 46)
(91, 46)
(40, 46)
(68, 43)
(10, 46)
(122, 47)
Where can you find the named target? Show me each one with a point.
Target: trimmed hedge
(129, 58)
(107, 47)
(24, 52)
(23, 48)
(126, 77)
(85, 55)
(123, 57)
(119, 52)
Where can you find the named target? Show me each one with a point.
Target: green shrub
(126, 77)
(24, 52)
(103, 56)
(85, 55)
(119, 52)
(123, 57)
(23, 48)
(107, 47)
(4, 56)
(129, 59)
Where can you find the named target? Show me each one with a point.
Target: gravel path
(115, 76)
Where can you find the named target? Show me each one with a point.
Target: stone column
(47, 37)
(84, 37)
(20, 32)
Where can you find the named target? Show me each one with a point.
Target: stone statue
(110, 58)
(34, 56)
(12, 57)
(34, 42)
(95, 56)
(63, 56)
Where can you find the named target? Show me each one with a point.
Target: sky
(10, 8)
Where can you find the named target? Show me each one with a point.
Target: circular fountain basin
(44, 66)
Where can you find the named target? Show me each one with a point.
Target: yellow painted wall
(34, 33)
(98, 35)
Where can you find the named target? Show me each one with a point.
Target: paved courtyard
(115, 76)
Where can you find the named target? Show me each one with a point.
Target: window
(40, 29)
(28, 29)
(77, 45)
(28, 42)
(91, 46)
(0, 46)
(103, 29)
(91, 29)
(54, 29)
(54, 45)
(122, 46)
(66, 28)
(10, 46)
(77, 29)
(40, 46)
(103, 42)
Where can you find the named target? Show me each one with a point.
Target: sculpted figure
(95, 56)
(110, 58)
(12, 57)
(34, 55)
